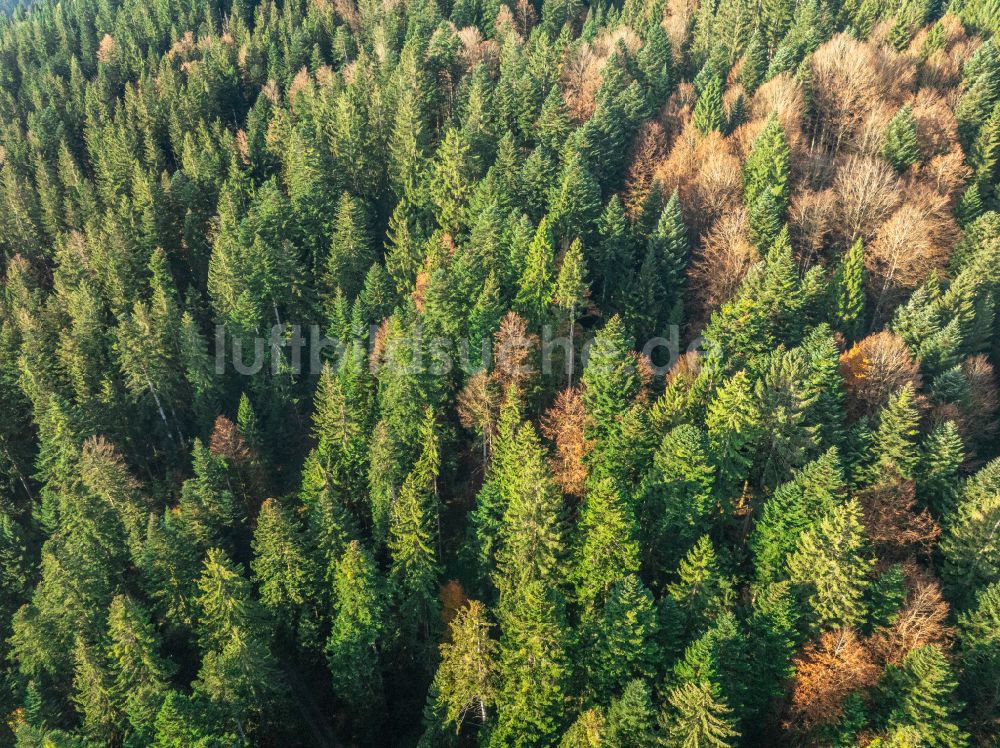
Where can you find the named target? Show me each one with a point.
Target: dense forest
(454, 372)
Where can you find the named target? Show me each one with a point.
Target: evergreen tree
(709, 113)
(701, 591)
(696, 718)
(678, 498)
(238, 673)
(631, 718)
(921, 690)
(767, 169)
(968, 545)
(356, 631)
(451, 181)
(350, 248)
(141, 675)
(895, 445)
(850, 292)
(608, 548)
(733, 424)
(625, 641)
(465, 683)
(610, 380)
(900, 147)
(413, 543)
(533, 668)
(830, 567)
(535, 287)
(281, 566)
(570, 294)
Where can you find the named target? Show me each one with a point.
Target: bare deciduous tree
(923, 619)
(722, 262)
(866, 191)
(914, 242)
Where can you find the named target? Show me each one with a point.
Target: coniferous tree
(571, 293)
(967, 545)
(465, 683)
(830, 567)
(697, 718)
(767, 168)
(413, 542)
(141, 676)
(921, 691)
(356, 631)
(281, 566)
(709, 113)
(350, 248)
(900, 147)
(850, 292)
(238, 672)
(535, 287)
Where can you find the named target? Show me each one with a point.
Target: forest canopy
(468, 372)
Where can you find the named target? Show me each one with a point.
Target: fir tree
(895, 445)
(238, 673)
(465, 683)
(141, 675)
(608, 550)
(767, 169)
(281, 567)
(413, 542)
(701, 591)
(969, 547)
(350, 248)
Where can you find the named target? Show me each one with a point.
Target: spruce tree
(709, 113)
(610, 380)
(356, 631)
(921, 690)
(968, 545)
(895, 445)
(238, 672)
(535, 287)
(850, 292)
(608, 547)
(733, 424)
(625, 640)
(701, 591)
(696, 718)
(830, 567)
(534, 665)
(465, 684)
(570, 294)
(767, 169)
(281, 567)
(631, 718)
(900, 147)
(413, 543)
(678, 497)
(141, 675)
(351, 252)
